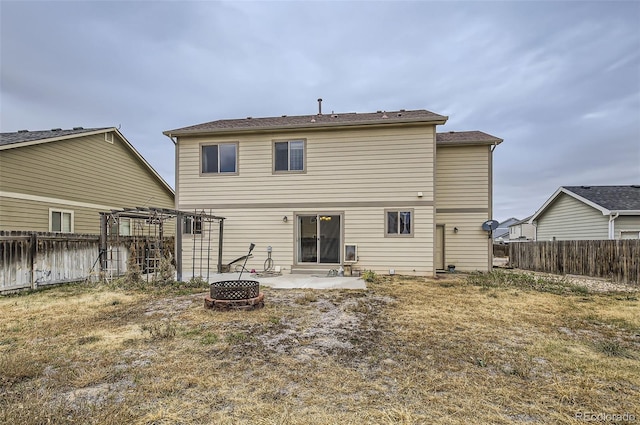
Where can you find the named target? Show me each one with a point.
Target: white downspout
(612, 226)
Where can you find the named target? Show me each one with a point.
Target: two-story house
(60, 180)
(382, 191)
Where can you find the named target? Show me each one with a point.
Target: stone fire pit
(235, 294)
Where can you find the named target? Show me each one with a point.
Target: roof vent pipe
(320, 106)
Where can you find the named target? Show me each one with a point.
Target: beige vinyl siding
(462, 189)
(570, 219)
(86, 170)
(18, 214)
(462, 177)
(350, 165)
(355, 173)
(21, 214)
(362, 226)
(469, 249)
(627, 223)
(521, 231)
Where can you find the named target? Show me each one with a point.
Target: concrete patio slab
(294, 281)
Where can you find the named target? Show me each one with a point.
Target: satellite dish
(490, 225)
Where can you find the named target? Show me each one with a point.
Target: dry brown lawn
(405, 351)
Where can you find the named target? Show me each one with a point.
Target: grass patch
(613, 349)
(407, 350)
(159, 330)
(307, 297)
(525, 281)
(209, 339)
(88, 339)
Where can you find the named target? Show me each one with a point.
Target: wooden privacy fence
(29, 260)
(618, 260)
(500, 250)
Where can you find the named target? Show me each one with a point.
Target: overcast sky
(558, 81)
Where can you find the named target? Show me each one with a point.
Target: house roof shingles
(613, 198)
(310, 121)
(460, 137)
(30, 136)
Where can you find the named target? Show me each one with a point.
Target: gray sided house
(59, 180)
(501, 233)
(589, 213)
(522, 230)
(380, 191)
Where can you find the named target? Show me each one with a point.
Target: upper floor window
(220, 158)
(60, 221)
(289, 155)
(399, 223)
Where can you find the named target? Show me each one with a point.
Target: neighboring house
(589, 213)
(380, 191)
(59, 180)
(501, 233)
(522, 230)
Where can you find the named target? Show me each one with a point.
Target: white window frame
(122, 224)
(630, 232)
(218, 173)
(192, 225)
(350, 253)
(289, 170)
(62, 212)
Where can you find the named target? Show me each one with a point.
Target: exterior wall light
(285, 219)
(455, 230)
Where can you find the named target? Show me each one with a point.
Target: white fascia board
(144, 161)
(592, 204)
(626, 212)
(557, 193)
(55, 139)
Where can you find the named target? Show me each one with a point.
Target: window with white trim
(289, 155)
(192, 226)
(60, 221)
(219, 159)
(123, 228)
(399, 223)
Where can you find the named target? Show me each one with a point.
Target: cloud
(558, 81)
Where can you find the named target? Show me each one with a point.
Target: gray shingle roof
(613, 198)
(30, 136)
(466, 137)
(310, 121)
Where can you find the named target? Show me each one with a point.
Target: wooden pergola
(157, 217)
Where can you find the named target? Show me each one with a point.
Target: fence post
(33, 253)
(102, 245)
(220, 239)
(177, 254)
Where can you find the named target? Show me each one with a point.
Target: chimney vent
(319, 106)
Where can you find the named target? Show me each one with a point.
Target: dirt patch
(330, 329)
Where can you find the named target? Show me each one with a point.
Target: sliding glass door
(319, 239)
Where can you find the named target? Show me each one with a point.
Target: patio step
(315, 270)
